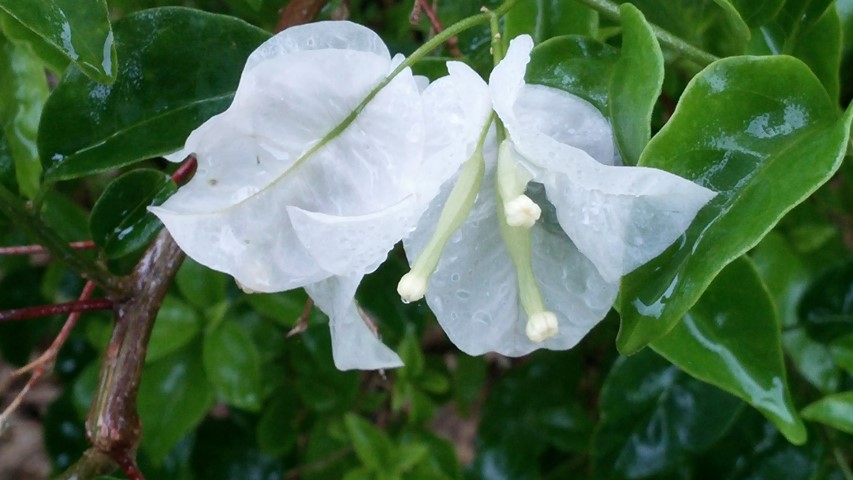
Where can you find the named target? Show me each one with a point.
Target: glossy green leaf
(815, 41)
(322, 387)
(232, 364)
(812, 359)
(199, 285)
(834, 410)
(178, 68)
(17, 32)
(530, 411)
(758, 13)
(635, 84)
(176, 325)
(173, 398)
(284, 308)
(544, 19)
(23, 91)
(735, 20)
(731, 339)
(654, 418)
(740, 129)
(826, 308)
(120, 223)
(623, 85)
(372, 445)
(80, 30)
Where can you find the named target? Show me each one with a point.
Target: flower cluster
(508, 196)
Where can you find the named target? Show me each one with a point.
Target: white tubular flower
(609, 219)
(279, 203)
(522, 212)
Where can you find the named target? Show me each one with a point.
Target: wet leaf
(120, 223)
(232, 364)
(80, 30)
(742, 153)
(176, 325)
(833, 410)
(731, 339)
(544, 19)
(23, 91)
(178, 68)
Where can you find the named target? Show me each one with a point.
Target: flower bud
(541, 326)
(522, 212)
(412, 287)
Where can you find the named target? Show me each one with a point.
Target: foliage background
(226, 393)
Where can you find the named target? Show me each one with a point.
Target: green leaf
(225, 450)
(841, 351)
(654, 417)
(635, 84)
(232, 364)
(17, 32)
(372, 445)
(738, 25)
(758, 13)
(622, 85)
(813, 360)
(284, 308)
(742, 153)
(23, 91)
(826, 308)
(278, 430)
(730, 338)
(178, 68)
(833, 410)
(80, 30)
(173, 398)
(120, 223)
(176, 325)
(784, 273)
(7, 165)
(322, 387)
(816, 41)
(200, 286)
(544, 19)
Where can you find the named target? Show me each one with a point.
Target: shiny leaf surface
(179, 67)
(654, 417)
(232, 364)
(743, 154)
(826, 308)
(731, 339)
(80, 30)
(173, 398)
(120, 223)
(177, 324)
(835, 411)
(23, 91)
(544, 19)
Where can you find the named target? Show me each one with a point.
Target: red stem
(185, 171)
(36, 249)
(47, 310)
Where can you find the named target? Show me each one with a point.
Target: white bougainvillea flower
(598, 221)
(279, 204)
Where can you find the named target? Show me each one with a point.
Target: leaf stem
(10, 205)
(673, 42)
(38, 249)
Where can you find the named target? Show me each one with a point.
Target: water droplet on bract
(454, 277)
(463, 294)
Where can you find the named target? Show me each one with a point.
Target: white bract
(599, 221)
(279, 203)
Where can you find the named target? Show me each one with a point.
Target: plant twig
(45, 362)
(302, 322)
(10, 205)
(82, 305)
(113, 425)
(673, 42)
(38, 249)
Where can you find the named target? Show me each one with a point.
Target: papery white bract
(599, 221)
(278, 209)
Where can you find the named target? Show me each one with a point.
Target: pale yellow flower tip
(541, 326)
(522, 212)
(412, 287)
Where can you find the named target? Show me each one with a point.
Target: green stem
(10, 205)
(611, 10)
